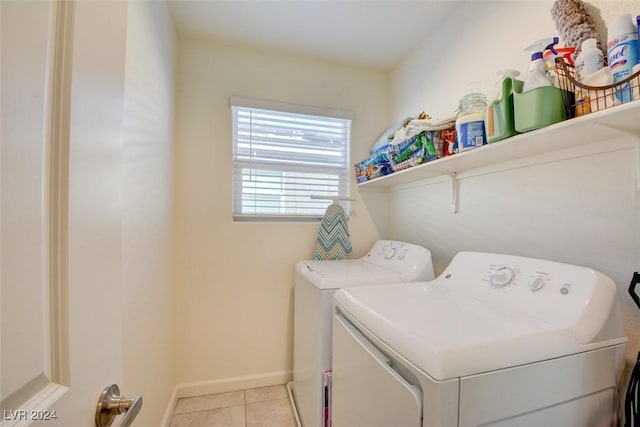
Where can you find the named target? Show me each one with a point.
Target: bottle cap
(623, 24)
(588, 43)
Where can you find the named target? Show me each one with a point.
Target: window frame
(344, 184)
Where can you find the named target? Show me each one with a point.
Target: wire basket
(580, 99)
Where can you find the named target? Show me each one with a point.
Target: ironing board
(333, 240)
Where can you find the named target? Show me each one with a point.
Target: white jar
(590, 59)
(470, 122)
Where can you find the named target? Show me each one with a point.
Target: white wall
(234, 280)
(474, 42)
(147, 210)
(580, 209)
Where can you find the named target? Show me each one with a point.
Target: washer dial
(389, 252)
(502, 277)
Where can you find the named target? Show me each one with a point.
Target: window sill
(276, 218)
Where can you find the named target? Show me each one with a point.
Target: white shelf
(602, 125)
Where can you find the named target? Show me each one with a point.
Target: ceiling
(374, 34)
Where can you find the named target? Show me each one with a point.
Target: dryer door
(366, 390)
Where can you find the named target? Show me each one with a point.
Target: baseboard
(168, 413)
(294, 407)
(232, 384)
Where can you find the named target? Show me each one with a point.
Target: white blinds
(282, 158)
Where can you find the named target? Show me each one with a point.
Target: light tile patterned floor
(258, 407)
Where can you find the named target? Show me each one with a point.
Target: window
(283, 155)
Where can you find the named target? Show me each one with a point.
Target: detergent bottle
(537, 76)
(470, 120)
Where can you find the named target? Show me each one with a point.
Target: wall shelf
(602, 125)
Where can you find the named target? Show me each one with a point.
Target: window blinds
(283, 158)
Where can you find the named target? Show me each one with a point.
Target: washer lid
(345, 273)
(451, 336)
(468, 321)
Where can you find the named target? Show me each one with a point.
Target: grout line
(206, 410)
(244, 394)
(244, 404)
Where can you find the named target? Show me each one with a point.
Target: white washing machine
(316, 282)
(495, 340)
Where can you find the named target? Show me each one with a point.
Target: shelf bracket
(454, 192)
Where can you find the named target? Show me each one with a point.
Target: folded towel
(333, 235)
(418, 126)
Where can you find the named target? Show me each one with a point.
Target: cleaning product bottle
(623, 53)
(536, 76)
(470, 121)
(550, 55)
(589, 60)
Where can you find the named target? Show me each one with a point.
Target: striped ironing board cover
(333, 240)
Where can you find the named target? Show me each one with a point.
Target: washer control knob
(537, 284)
(389, 252)
(502, 277)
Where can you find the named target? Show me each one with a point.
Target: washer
(316, 282)
(495, 340)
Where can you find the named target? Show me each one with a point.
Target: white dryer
(316, 282)
(495, 340)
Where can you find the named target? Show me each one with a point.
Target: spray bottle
(550, 55)
(536, 76)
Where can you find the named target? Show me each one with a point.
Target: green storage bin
(499, 118)
(538, 108)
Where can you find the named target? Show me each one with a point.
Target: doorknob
(111, 404)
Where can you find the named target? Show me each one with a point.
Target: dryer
(316, 282)
(495, 340)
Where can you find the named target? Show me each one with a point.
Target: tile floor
(258, 407)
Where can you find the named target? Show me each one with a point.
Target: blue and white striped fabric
(333, 240)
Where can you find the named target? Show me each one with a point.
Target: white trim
(224, 385)
(171, 406)
(59, 118)
(240, 101)
(294, 407)
(41, 401)
(276, 218)
(593, 149)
